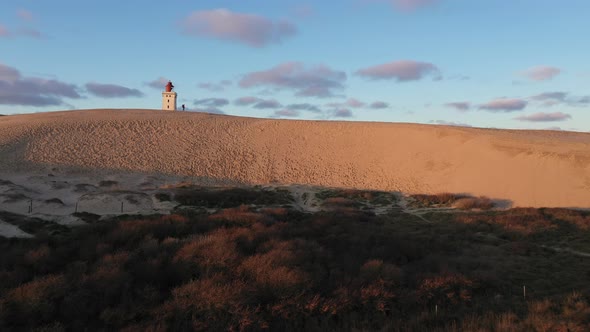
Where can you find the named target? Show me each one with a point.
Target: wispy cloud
(211, 102)
(504, 105)
(355, 103)
(560, 96)
(544, 117)
(214, 86)
(411, 5)
(302, 11)
(286, 113)
(24, 32)
(317, 81)
(265, 104)
(401, 71)
(24, 14)
(4, 31)
(541, 73)
(111, 90)
(548, 99)
(379, 105)
(460, 105)
(33, 91)
(159, 83)
(212, 110)
(304, 107)
(249, 29)
(450, 123)
(341, 113)
(244, 101)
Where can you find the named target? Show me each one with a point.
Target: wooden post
(121, 207)
(524, 292)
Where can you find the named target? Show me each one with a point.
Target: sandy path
(530, 168)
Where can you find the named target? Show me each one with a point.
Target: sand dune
(529, 168)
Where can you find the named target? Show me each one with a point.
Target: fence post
(121, 207)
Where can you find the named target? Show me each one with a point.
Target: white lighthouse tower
(169, 98)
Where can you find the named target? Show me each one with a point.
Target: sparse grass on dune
(457, 201)
(264, 266)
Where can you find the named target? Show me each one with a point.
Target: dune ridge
(529, 168)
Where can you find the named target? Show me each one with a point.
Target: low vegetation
(457, 201)
(256, 264)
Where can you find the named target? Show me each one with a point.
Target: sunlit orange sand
(528, 168)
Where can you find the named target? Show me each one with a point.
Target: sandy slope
(530, 168)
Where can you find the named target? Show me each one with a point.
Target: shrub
(470, 203)
(108, 183)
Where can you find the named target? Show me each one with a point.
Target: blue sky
(486, 63)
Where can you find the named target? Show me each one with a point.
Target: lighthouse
(169, 98)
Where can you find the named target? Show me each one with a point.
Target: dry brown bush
(451, 288)
(436, 199)
(272, 270)
(578, 218)
(33, 292)
(470, 203)
(241, 214)
(35, 256)
(274, 211)
(377, 296)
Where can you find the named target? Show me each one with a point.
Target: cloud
(24, 14)
(29, 32)
(33, 91)
(379, 105)
(8, 73)
(549, 99)
(211, 102)
(411, 5)
(4, 31)
(249, 29)
(213, 86)
(351, 102)
(541, 73)
(287, 113)
(504, 105)
(265, 104)
(212, 110)
(560, 96)
(544, 117)
(111, 90)
(244, 101)
(302, 11)
(450, 123)
(355, 103)
(304, 107)
(460, 106)
(402, 71)
(26, 32)
(319, 81)
(341, 113)
(159, 83)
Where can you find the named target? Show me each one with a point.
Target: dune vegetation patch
(252, 261)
